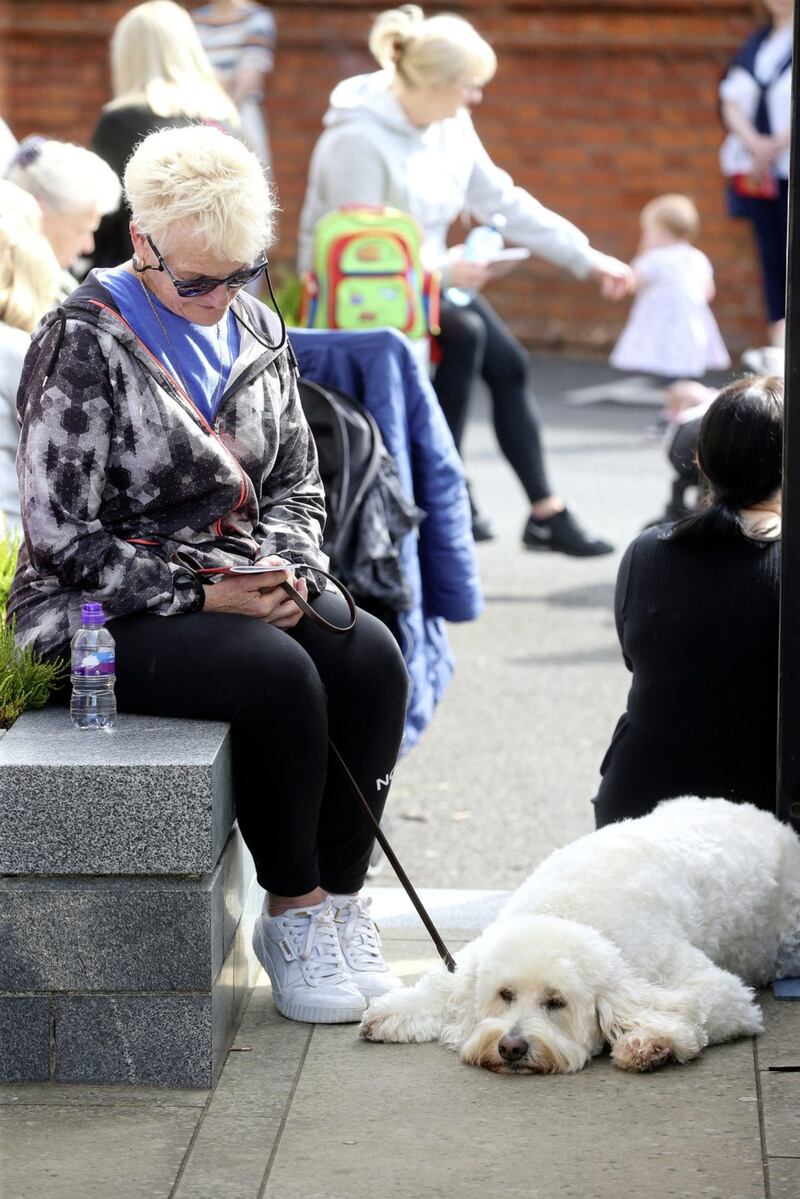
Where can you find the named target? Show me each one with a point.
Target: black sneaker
(563, 535)
(481, 525)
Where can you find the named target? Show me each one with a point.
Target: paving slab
(784, 1178)
(781, 1101)
(779, 1044)
(92, 1152)
(423, 1123)
(238, 1131)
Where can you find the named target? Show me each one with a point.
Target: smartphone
(263, 569)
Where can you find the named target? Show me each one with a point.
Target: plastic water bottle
(482, 244)
(93, 704)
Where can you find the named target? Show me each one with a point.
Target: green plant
(26, 679)
(288, 293)
(9, 547)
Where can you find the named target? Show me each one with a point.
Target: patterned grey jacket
(118, 470)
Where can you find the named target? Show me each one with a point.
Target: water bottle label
(101, 662)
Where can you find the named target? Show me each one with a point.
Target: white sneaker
(300, 952)
(361, 946)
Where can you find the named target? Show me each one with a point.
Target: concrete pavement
(505, 773)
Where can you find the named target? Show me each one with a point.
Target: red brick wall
(597, 107)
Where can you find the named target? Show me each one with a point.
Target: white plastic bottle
(482, 244)
(93, 705)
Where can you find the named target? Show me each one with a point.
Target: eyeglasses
(203, 284)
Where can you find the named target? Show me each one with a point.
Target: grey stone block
(113, 934)
(24, 1038)
(157, 1040)
(153, 797)
(151, 1040)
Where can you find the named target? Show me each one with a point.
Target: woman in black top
(697, 616)
(161, 77)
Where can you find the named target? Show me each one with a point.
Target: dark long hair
(739, 456)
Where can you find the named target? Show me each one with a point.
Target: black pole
(788, 799)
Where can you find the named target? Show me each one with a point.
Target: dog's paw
(391, 1018)
(380, 1028)
(381, 1023)
(640, 1051)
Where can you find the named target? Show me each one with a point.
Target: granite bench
(127, 900)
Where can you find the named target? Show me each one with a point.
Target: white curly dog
(647, 935)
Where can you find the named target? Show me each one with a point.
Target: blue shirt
(198, 357)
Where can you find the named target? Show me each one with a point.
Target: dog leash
(380, 836)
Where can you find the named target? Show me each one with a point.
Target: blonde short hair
(65, 178)
(157, 59)
(675, 213)
(206, 178)
(29, 275)
(431, 51)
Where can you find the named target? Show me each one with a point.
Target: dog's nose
(511, 1049)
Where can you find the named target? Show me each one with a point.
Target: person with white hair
(403, 136)
(163, 450)
(73, 187)
(161, 78)
(29, 284)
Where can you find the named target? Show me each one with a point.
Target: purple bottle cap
(92, 615)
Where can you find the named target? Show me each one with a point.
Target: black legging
(283, 693)
(474, 341)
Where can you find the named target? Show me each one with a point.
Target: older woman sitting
(74, 189)
(161, 426)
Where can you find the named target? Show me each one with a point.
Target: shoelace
(360, 935)
(316, 944)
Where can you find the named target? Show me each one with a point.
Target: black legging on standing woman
(283, 693)
(474, 341)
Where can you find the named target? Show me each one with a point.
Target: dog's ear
(622, 1004)
(629, 1003)
(460, 1016)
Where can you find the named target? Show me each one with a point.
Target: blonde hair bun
(430, 51)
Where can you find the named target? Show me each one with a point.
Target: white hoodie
(370, 153)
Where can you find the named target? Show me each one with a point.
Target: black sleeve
(621, 598)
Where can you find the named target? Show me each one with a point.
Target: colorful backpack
(368, 274)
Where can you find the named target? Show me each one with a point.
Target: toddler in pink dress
(671, 331)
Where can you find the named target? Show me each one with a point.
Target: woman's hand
(764, 149)
(260, 596)
(286, 614)
(247, 81)
(616, 278)
(471, 276)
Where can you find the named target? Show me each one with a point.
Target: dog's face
(530, 998)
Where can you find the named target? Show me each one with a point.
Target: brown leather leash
(380, 837)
